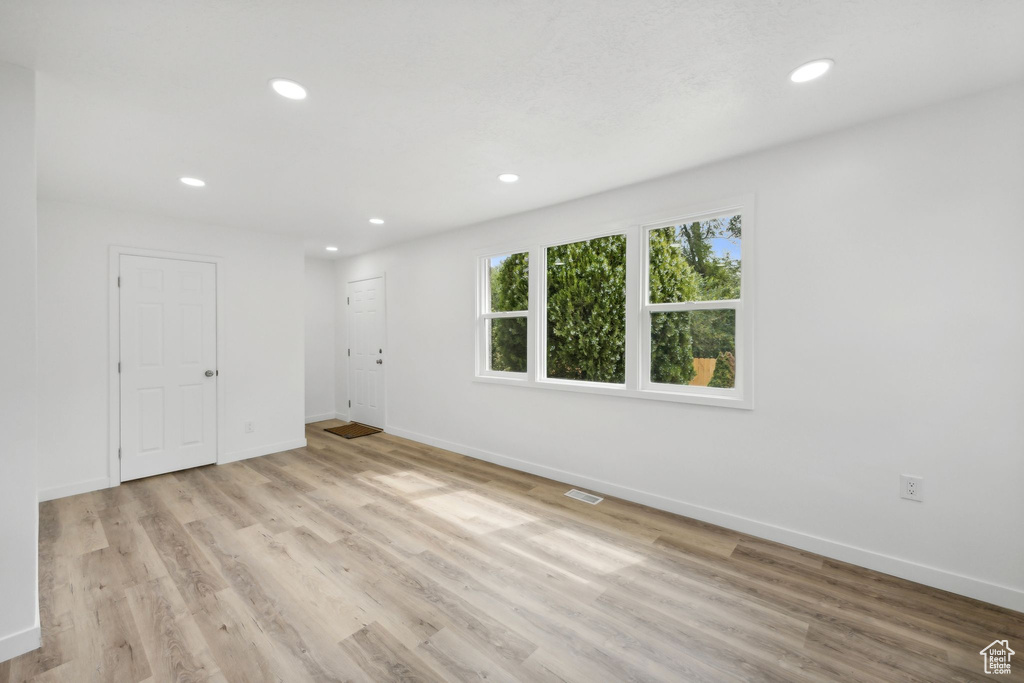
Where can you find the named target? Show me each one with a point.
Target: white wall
(320, 348)
(19, 513)
(261, 282)
(889, 330)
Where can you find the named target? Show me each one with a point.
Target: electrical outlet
(911, 487)
(249, 427)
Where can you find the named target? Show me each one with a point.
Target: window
(660, 311)
(586, 311)
(693, 287)
(506, 295)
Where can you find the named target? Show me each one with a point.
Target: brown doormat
(353, 430)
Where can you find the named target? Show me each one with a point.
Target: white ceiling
(415, 106)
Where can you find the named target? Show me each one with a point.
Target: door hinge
(350, 403)
(348, 300)
(350, 352)
(118, 280)
(118, 453)
(118, 367)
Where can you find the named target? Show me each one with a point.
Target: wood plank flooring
(381, 559)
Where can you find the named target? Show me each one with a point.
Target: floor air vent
(585, 497)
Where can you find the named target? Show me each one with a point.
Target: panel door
(366, 344)
(168, 366)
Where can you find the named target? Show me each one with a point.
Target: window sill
(696, 398)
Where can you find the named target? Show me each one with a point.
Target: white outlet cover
(911, 487)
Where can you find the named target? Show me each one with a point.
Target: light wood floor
(382, 559)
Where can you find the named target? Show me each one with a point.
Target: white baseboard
(341, 416)
(1004, 596)
(261, 450)
(19, 643)
(320, 418)
(74, 489)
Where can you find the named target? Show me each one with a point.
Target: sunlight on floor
(409, 482)
(544, 563)
(594, 554)
(474, 512)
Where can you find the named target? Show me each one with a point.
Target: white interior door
(168, 365)
(366, 351)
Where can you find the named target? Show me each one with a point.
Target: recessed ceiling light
(192, 182)
(811, 70)
(331, 248)
(377, 221)
(289, 89)
(508, 177)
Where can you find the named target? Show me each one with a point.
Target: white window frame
(542, 327)
(638, 315)
(736, 396)
(485, 316)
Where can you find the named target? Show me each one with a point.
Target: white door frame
(348, 343)
(114, 380)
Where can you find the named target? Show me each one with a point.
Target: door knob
(209, 373)
(380, 362)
